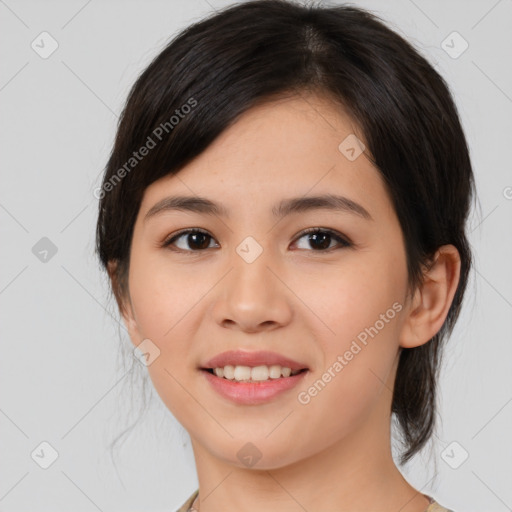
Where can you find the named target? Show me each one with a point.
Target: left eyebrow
(325, 202)
(285, 207)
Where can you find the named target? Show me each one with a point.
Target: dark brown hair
(247, 54)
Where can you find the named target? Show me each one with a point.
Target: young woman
(283, 222)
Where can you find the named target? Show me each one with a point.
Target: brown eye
(191, 240)
(320, 240)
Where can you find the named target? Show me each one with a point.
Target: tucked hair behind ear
(249, 53)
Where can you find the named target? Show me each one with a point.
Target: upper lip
(246, 358)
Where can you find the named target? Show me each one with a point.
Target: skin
(332, 454)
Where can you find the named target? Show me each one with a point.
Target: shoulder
(188, 503)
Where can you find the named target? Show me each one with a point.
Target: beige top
(433, 507)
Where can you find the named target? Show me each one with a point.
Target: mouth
(246, 391)
(251, 378)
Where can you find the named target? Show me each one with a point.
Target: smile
(234, 385)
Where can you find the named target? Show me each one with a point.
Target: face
(253, 280)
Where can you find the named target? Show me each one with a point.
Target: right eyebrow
(187, 203)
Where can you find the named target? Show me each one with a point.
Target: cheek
(361, 304)
(163, 296)
(163, 302)
(357, 365)
(352, 295)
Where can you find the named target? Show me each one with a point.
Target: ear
(432, 299)
(124, 303)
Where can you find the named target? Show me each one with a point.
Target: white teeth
(242, 373)
(229, 372)
(260, 373)
(286, 372)
(257, 373)
(275, 371)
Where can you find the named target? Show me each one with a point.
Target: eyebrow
(286, 207)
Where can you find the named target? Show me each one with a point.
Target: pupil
(197, 239)
(324, 238)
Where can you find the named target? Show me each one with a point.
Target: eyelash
(342, 240)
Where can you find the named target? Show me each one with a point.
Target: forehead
(289, 147)
(279, 134)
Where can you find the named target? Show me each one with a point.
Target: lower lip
(252, 393)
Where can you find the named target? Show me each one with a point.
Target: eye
(196, 240)
(320, 239)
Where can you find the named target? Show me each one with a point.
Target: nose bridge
(251, 276)
(252, 297)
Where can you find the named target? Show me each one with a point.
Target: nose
(252, 298)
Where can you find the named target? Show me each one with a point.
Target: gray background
(62, 380)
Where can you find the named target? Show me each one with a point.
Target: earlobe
(432, 300)
(123, 303)
(130, 323)
(131, 326)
